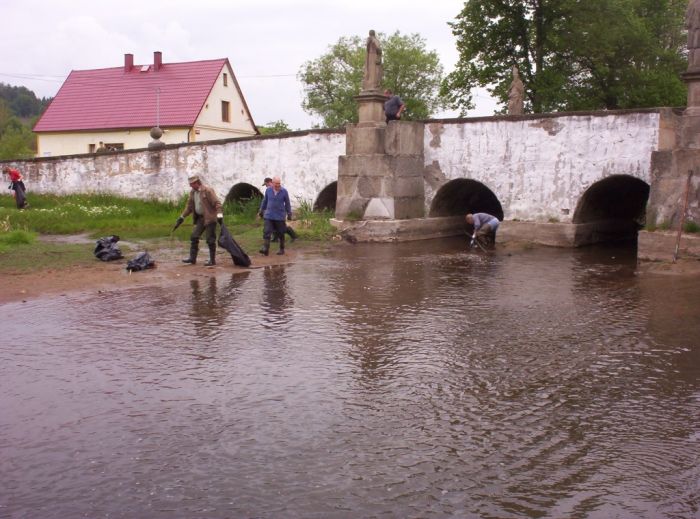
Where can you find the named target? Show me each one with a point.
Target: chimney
(157, 60)
(128, 62)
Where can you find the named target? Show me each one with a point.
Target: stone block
(365, 165)
(669, 174)
(350, 207)
(669, 129)
(408, 207)
(370, 187)
(379, 209)
(413, 187)
(367, 140)
(347, 186)
(370, 107)
(407, 166)
(661, 245)
(404, 138)
(690, 131)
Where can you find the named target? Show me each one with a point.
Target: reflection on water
(412, 380)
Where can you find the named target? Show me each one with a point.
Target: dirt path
(112, 275)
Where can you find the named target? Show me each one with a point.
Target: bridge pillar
(381, 175)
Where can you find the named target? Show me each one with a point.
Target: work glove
(260, 214)
(289, 217)
(179, 221)
(220, 218)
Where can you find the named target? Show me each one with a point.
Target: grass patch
(132, 220)
(691, 227)
(39, 256)
(12, 239)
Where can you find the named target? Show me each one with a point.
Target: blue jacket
(276, 206)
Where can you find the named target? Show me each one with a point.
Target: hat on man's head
(267, 179)
(193, 179)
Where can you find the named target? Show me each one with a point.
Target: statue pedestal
(381, 175)
(371, 107)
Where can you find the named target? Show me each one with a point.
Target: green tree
(274, 127)
(16, 141)
(572, 55)
(332, 80)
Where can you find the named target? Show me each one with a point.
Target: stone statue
(692, 21)
(372, 78)
(516, 94)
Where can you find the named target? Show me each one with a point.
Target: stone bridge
(567, 168)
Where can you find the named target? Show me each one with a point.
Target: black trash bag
(227, 242)
(20, 194)
(106, 249)
(142, 261)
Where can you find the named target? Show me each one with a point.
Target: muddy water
(378, 381)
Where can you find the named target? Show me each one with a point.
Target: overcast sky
(266, 41)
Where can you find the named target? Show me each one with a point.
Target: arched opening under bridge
(242, 193)
(612, 209)
(326, 198)
(462, 196)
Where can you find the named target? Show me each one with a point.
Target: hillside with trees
(19, 110)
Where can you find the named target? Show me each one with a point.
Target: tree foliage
(21, 101)
(274, 127)
(572, 55)
(19, 110)
(16, 139)
(332, 80)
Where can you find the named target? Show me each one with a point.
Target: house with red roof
(115, 108)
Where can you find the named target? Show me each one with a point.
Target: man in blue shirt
(275, 208)
(485, 227)
(393, 107)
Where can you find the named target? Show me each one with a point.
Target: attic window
(144, 68)
(225, 111)
(225, 79)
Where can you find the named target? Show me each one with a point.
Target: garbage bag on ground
(227, 242)
(142, 261)
(107, 249)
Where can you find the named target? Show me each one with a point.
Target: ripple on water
(398, 380)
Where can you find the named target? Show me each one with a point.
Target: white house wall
(74, 143)
(209, 123)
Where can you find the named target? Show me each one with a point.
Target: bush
(691, 227)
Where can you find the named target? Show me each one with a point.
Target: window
(91, 148)
(225, 79)
(225, 111)
(114, 146)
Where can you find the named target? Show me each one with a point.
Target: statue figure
(516, 94)
(692, 22)
(373, 64)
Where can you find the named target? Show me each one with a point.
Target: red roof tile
(112, 98)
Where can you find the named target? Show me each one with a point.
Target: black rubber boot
(194, 248)
(212, 255)
(281, 251)
(265, 248)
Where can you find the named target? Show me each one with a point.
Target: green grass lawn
(132, 220)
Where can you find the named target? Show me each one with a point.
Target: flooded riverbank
(406, 380)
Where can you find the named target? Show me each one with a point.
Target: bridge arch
(618, 197)
(612, 209)
(242, 192)
(327, 197)
(462, 196)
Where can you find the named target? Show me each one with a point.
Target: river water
(413, 380)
